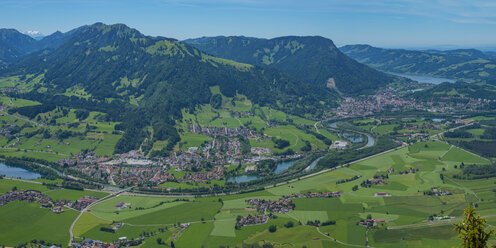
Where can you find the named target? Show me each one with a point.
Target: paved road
(89, 206)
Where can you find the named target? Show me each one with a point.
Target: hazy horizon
(442, 47)
(384, 23)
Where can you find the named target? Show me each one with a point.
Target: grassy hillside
(144, 81)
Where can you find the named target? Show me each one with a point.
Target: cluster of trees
(216, 101)
(162, 203)
(307, 147)
(34, 110)
(458, 134)
(484, 148)
(64, 134)
(489, 133)
(319, 136)
(280, 143)
(477, 172)
(107, 229)
(319, 223)
(72, 185)
(82, 114)
(348, 180)
(163, 131)
(290, 224)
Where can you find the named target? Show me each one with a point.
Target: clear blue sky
(401, 23)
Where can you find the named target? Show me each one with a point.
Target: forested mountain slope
(312, 58)
(114, 65)
(14, 44)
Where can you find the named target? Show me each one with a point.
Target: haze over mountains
(14, 44)
(462, 64)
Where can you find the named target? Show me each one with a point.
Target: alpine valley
(112, 138)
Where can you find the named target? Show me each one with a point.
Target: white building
(339, 144)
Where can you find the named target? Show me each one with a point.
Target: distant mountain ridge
(460, 64)
(37, 35)
(313, 59)
(14, 44)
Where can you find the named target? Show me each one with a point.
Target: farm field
(107, 210)
(22, 221)
(409, 177)
(55, 134)
(406, 209)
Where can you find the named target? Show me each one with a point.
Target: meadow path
(316, 128)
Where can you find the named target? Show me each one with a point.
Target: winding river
(370, 139)
(284, 165)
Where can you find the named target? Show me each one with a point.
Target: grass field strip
(329, 237)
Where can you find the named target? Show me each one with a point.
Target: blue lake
(17, 172)
(424, 79)
(353, 139)
(281, 167)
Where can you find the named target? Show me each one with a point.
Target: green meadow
(406, 211)
(23, 222)
(212, 221)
